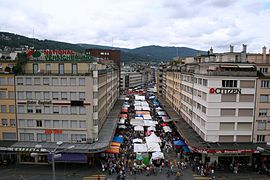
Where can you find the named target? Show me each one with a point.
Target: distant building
(106, 54)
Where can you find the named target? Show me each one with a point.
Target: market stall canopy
(124, 110)
(143, 112)
(167, 129)
(121, 121)
(151, 128)
(122, 127)
(137, 140)
(147, 117)
(136, 122)
(137, 103)
(138, 128)
(123, 115)
(158, 108)
(139, 98)
(152, 97)
(118, 139)
(138, 108)
(179, 143)
(166, 119)
(153, 147)
(186, 149)
(157, 155)
(145, 108)
(150, 123)
(139, 118)
(126, 99)
(152, 138)
(140, 147)
(161, 113)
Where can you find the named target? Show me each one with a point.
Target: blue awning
(179, 143)
(70, 157)
(118, 139)
(186, 149)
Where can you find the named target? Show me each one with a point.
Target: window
(260, 138)
(61, 69)
(10, 81)
(78, 137)
(73, 124)
(82, 124)
(12, 122)
(73, 96)
(264, 84)
(82, 95)
(2, 81)
(46, 81)
(264, 70)
(61, 137)
(11, 108)
(228, 97)
(30, 123)
(245, 112)
(47, 95)
(227, 112)
(73, 81)
(247, 84)
(47, 123)
(47, 110)
(225, 138)
(21, 123)
(244, 126)
(246, 97)
(39, 123)
(30, 109)
(205, 82)
(74, 69)
(3, 95)
(64, 95)
(21, 95)
(4, 122)
(73, 110)
(64, 110)
(28, 95)
(27, 136)
(48, 68)
(82, 110)
(35, 68)
(82, 81)
(11, 95)
(229, 83)
(38, 109)
(19, 81)
(28, 81)
(65, 124)
(37, 95)
(203, 109)
(55, 95)
(264, 98)
(9, 136)
(43, 137)
(55, 81)
(56, 124)
(199, 81)
(261, 125)
(55, 109)
(37, 81)
(21, 109)
(3, 108)
(262, 112)
(63, 81)
(226, 126)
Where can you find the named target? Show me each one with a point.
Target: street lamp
(55, 154)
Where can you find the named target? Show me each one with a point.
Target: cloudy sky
(198, 24)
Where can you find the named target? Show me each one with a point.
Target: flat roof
(105, 137)
(194, 140)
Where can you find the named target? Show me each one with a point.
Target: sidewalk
(241, 176)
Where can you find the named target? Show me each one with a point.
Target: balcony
(231, 73)
(55, 73)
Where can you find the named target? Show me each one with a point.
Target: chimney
(264, 54)
(244, 48)
(231, 48)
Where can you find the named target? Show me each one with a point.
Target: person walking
(177, 175)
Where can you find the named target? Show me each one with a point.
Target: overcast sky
(198, 24)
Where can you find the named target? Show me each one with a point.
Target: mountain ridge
(144, 53)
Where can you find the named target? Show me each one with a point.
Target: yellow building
(7, 99)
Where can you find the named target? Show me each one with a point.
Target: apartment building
(8, 118)
(64, 100)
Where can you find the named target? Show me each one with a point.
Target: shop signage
(59, 55)
(39, 102)
(53, 131)
(224, 91)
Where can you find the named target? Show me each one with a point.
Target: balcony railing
(232, 73)
(57, 73)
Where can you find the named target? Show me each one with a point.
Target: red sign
(53, 131)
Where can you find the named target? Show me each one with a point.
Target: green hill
(145, 53)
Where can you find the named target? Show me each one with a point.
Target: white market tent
(137, 103)
(139, 98)
(138, 108)
(137, 140)
(166, 119)
(167, 129)
(145, 108)
(144, 103)
(152, 138)
(161, 113)
(157, 155)
(138, 128)
(151, 128)
(126, 99)
(139, 118)
(147, 117)
(153, 147)
(136, 122)
(122, 127)
(140, 148)
(150, 123)
(121, 121)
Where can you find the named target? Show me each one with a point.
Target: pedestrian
(177, 175)
(213, 173)
(168, 173)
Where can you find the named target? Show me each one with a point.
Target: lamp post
(55, 154)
